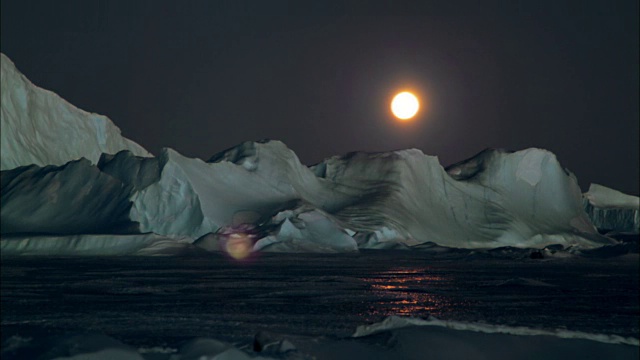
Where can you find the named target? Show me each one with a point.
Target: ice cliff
(41, 128)
(361, 200)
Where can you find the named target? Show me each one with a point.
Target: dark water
(163, 300)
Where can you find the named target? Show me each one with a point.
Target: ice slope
(41, 128)
(611, 210)
(395, 199)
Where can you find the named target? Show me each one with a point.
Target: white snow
(41, 128)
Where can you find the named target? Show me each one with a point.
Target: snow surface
(41, 128)
(393, 338)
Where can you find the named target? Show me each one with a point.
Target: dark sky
(201, 76)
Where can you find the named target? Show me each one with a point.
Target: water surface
(164, 300)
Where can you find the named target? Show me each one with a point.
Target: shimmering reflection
(410, 292)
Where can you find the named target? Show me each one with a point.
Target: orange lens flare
(238, 246)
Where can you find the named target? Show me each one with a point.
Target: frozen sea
(161, 302)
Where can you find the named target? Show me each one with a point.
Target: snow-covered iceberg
(41, 128)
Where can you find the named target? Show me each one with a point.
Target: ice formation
(611, 210)
(522, 199)
(397, 199)
(41, 128)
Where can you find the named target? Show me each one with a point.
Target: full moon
(405, 105)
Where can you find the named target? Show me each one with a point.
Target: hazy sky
(202, 76)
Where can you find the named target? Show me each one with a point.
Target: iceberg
(402, 198)
(494, 199)
(41, 128)
(85, 178)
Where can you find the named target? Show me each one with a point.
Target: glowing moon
(405, 105)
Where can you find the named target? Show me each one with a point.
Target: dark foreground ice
(159, 303)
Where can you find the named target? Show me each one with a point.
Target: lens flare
(238, 246)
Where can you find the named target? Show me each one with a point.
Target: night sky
(202, 76)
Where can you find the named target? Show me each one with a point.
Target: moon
(405, 105)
